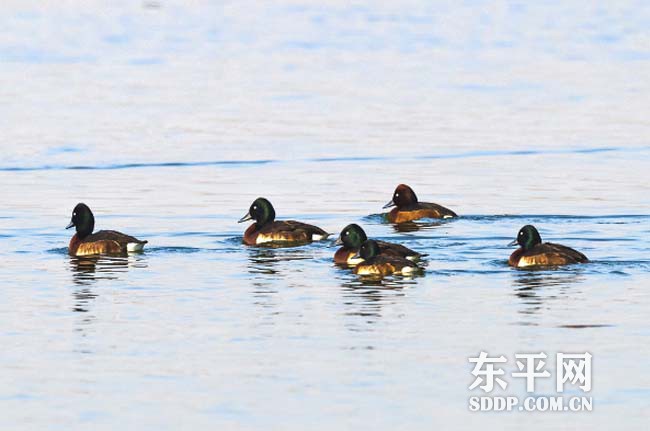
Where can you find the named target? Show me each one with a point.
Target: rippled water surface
(169, 118)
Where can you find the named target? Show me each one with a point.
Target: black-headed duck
(375, 263)
(351, 238)
(108, 242)
(267, 230)
(408, 207)
(534, 252)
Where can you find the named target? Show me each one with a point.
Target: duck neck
(85, 228)
(268, 216)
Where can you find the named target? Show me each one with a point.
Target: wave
(355, 159)
(133, 165)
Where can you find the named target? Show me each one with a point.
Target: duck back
(418, 211)
(546, 254)
(385, 265)
(105, 242)
(283, 231)
(392, 249)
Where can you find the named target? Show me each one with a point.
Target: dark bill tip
(70, 225)
(512, 243)
(388, 205)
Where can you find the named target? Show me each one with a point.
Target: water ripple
(241, 163)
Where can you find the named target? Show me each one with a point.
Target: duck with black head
(107, 242)
(351, 238)
(377, 264)
(267, 230)
(409, 208)
(534, 252)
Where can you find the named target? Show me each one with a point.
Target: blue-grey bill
(245, 218)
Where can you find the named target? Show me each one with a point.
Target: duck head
(83, 220)
(261, 211)
(352, 236)
(403, 197)
(368, 250)
(527, 238)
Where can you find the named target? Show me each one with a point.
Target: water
(168, 119)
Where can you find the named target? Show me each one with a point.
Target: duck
(104, 242)
(408, 208)
(534, 252)
(351, 238)
(267, 230)
(377, 264)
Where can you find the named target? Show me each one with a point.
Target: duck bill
(338, 241)
(512, 243)
(388, 205)
(245, 218)
(70, 225)
(356, 256)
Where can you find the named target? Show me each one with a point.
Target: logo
(572, 371)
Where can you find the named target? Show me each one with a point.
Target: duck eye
(396, 195)
(74, 214)
(255, 207)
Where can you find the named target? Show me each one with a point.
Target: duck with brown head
(409, 208)
(351, 238)
(266, 230)
(106, 242)
(534, 252)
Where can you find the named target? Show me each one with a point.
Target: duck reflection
(265, 260)
(365, 297)
(536, 287)
(83, 297)
(262, 261)
(412, 226)
(264, 264)
(86, 271)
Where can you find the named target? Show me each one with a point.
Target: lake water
(169, 118)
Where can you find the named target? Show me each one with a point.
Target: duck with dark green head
(351, 238)
(377, 264)
(267, 230)
(409, 208)
(106, 242)
(534, 252)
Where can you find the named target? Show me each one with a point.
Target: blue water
(170, 118)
